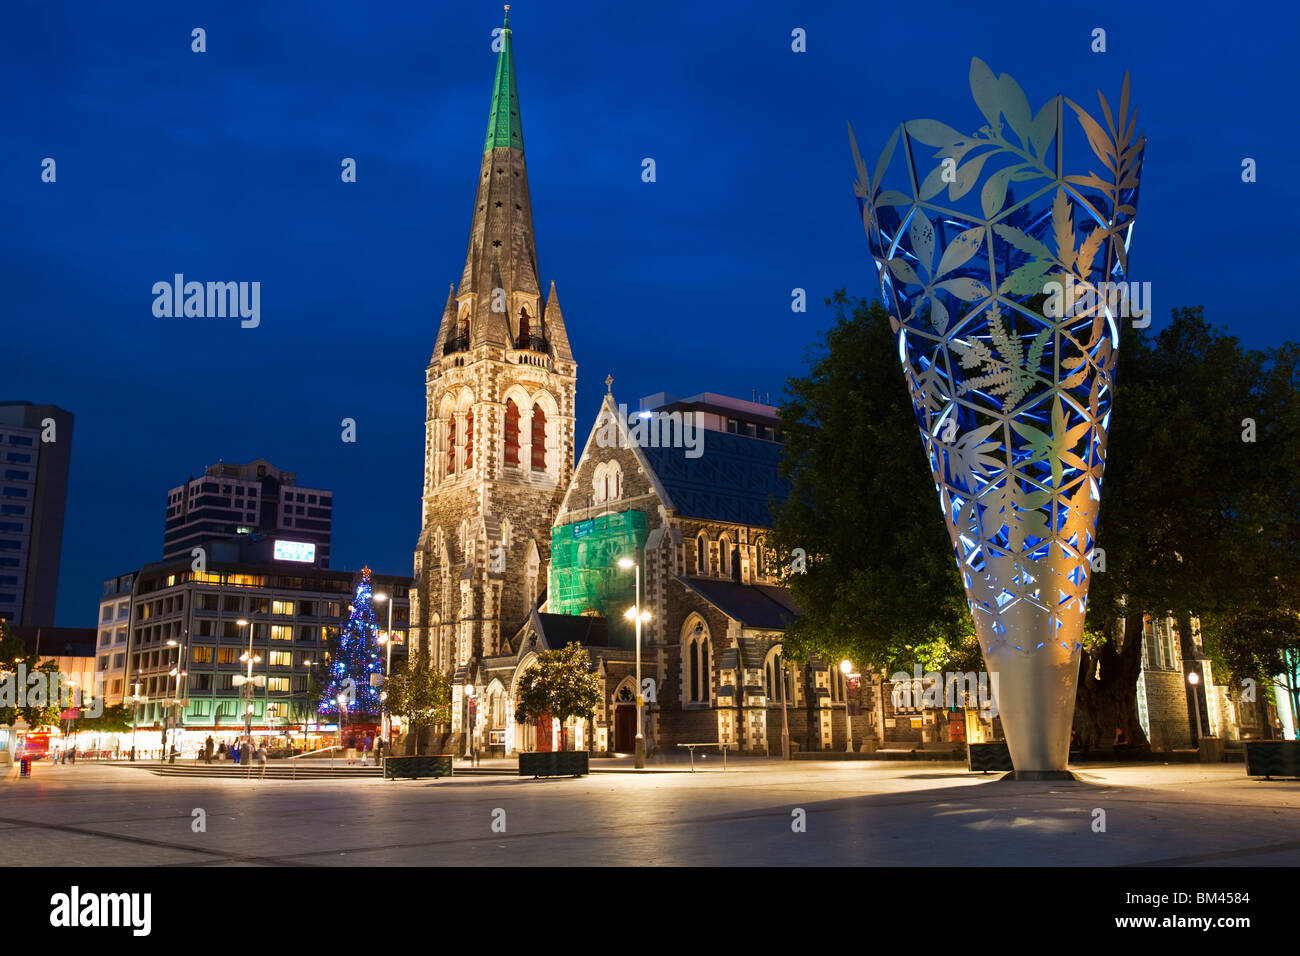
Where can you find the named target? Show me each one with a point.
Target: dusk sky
(225, 166)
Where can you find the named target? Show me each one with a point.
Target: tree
(1194, 521)
(560, 685)
(114, 719)
(39, 710)
(419, 694)
(1261, 644)
(354, 656)
(881, 586)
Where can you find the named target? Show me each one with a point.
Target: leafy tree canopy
(881, 586)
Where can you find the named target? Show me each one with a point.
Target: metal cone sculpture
(1007, 313)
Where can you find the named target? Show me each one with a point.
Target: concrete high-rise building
(35, 452)
(499, 417)
(230, 501)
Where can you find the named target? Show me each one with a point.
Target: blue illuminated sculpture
(1007, 313)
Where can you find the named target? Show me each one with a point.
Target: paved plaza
(854, 812)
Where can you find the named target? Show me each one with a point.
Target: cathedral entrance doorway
(625, 728)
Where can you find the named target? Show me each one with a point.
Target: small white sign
(304, 551)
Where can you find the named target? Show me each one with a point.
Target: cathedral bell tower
(499, 410)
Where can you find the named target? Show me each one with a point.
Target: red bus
(34, 745)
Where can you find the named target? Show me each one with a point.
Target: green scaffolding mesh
(585, 576)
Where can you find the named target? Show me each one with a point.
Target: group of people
(365, 747)
(237, 751)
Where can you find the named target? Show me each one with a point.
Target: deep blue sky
(225, 166)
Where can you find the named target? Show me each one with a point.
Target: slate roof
(753, 605)
(730, 481)
(562, 629)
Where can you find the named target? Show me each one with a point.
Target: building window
(451, 444)
(512, 432)
(225, 655)
(281, 632)
(282, 607)
(539, 439)
(760, 558)
(278, 685)
(773, 670)
(724, 556)
(201, 655)
(524, 330)
(701, 555)
(281, 658)
(469, 439)
(698, 683)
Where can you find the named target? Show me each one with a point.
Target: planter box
(555, 763)
(413, 768)
(988, 757)
(1272, 758)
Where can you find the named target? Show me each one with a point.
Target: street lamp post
(387, 639)
(248, 689)
(135, 712)
(177, 672)
(785, 720)
(846, 668)
(1194, 678)
(471, 719)
(309, 664)
(638, 616)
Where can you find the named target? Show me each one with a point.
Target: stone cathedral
(520, 548)
(499, 410)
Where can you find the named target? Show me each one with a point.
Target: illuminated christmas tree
(354, 656)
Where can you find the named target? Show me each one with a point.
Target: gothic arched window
(697, 676)
(760, 558)
(701, 555)
(724, 556)
(773, 670)
(539, 439)
(512, 432)
(524, 330)
(451, 444)
(469, 439)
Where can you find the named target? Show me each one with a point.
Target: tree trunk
(1107, 695)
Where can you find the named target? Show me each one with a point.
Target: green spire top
(504, 125)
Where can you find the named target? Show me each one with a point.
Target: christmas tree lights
(354, 656)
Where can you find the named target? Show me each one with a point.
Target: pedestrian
(234, 752)
(207, 750)
(221, 751)
(261, 761)
(365, 752)
(352, 751)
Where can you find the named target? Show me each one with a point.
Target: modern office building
(110, 644)
(185, 640)
(35, 451)
(253, 500)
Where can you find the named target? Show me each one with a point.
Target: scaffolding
(585, 577)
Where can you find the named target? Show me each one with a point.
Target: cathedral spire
(501, 235)
(505, 128)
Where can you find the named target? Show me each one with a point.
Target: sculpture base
(1025, 775)
(1035, 689)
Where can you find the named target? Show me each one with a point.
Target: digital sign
(304, 551)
